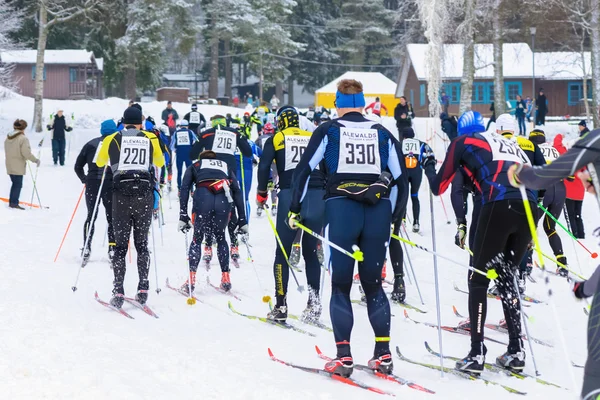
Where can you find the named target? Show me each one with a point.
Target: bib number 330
(359, 151)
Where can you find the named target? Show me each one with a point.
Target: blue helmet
(470, 122)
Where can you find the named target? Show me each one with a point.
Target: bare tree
(497, 43)
(11, 22)
(466, 30)
(51, 12)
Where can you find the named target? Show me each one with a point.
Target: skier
(412, 149)
(586, 152)
(195, 119)
(358, 154)
(131, 153)
(92, 181)
(245, 178)
(163, 138)
(575, 194)
(58, 128)
(170, 117)
(216, 188)
(376, 106)
(268, 132)
(502, 231)
(224, 142)
(286, 149)
(554, 201)
(181, 145)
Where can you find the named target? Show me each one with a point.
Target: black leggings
(92, 187)
(415, 177)
(574, 218)
(231, 227)
(554, 201)
(396, 252)
(131, 212)
(501, 241)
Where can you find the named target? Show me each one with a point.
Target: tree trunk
(290, 84)
(39, 69)
(228, 68)
(595, 39)
(466, 82)
(499, 97)
(130, 82)
(213, 82)
(585, 77)
(279, 89)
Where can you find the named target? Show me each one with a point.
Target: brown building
(560, 74)
(68, 74)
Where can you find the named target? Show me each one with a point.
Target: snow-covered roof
(517, 62)
(182, 77)
(373, 83)
(50, 56)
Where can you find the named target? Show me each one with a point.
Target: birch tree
(497, 44)
(51, 13)
(466, 31)
(595, 39)
(11, 22)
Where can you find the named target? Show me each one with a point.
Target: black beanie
(408, 133)
(132, 116)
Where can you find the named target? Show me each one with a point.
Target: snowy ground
(57, 344)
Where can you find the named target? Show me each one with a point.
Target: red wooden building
(560, 74)
(68, 74)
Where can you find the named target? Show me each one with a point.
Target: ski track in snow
(57, 344)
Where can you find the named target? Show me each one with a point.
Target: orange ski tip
(405, 313)
(318, 350)
(454, 309)
(270, 353)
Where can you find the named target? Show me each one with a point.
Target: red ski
(142, 307)
(108, 305)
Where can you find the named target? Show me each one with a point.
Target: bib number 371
(359, 151)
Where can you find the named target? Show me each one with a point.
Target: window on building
(575, 92)
(412, 96)
(512, 90)
(72, 74)
(478, 95)
(453, 92)
(422, 95)
(33, 73)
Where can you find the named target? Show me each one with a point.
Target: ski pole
(35, 178)
(566, 214)
(413, 271)
(534, 236)
(300, 287)
(105, 236)
(490, 274)
(444, 208)
(516, 286)
(154, 257)
(69, 225)
(89, 229)
(357, 254)
(161, 220)
(191, 300)
(437, 285)
(243, 185)
(594, 254)
(554, 260)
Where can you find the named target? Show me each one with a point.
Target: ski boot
(342, 366)
(295, 254)
(235, 256)
(274, 210)
(512, 361)
(502, 324)
(185, 288)
(118, 297)
(494, 291)
(207, 256)
(85, 255)
(259, 211)
(560, 270)
(141, 296)
(320, 253)
(399, 292)
(383, 364)
(313, 310)
(279, 313)
(522, 284)
(473, 363)
(416, 226)
(225, 282)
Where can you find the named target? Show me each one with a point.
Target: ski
(457, 373)
(235, 262)
(576, 365)
(283, 325)
(496, 368)
(110, 306)
(452, 329)
(143, 307)
(501, 329)
(180, 292)
(322, 372)
(491, 296)
(220, 290)
(391, 377)
(316, 324)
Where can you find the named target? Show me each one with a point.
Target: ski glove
(184, 224)
(427, 157)
(292, 218)
(461, 235)
(243, 229)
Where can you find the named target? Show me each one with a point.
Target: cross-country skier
(377, 106)
(224, 142)
(216, 192)
(286, 149)
(268, 132)
(181, 144)
(92, 181)
(584, 153)
(412, 149)
(359, 155)
(502, 232)
(131, 153)
(195, 119)
(245, 177)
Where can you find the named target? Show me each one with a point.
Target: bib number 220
(134, 156)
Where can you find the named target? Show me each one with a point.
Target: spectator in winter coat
(376, 106)
(541, 105)
(583, 129)
(445, 101)
(449, 125)
(528, 105)
(274, 103)
(17, 151)
(195, 119)
(403, 116)
(170, 117)
(493, 117)
(59, 141)
(520, 114)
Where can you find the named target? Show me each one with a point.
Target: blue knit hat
(108, 127)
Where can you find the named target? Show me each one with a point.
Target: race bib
(271, 118)
(225, 142)
(97, 152)
(377, 107)
(410, 147)
(505, 150)
(549, 152)
(214, 164)
(310, 114)
(359, 151)
(194, 118)
(294, 149)
(135, 153)
(183, 138)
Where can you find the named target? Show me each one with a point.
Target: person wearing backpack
(170, 117)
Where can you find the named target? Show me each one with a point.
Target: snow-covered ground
(60, 344)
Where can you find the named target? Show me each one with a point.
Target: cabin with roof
(68, 74)
(560, 74)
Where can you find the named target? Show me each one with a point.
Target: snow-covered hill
(60, 344)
